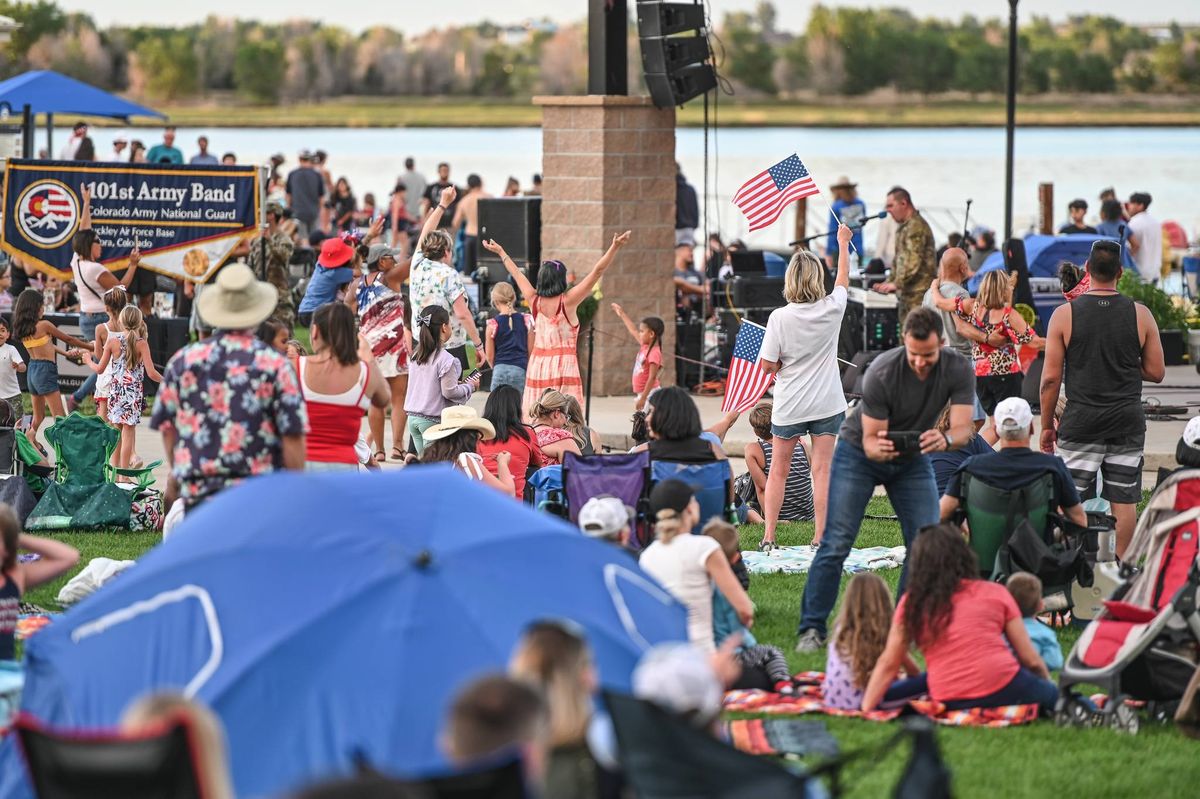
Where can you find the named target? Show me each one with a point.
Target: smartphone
(475, 373)
(907, 442)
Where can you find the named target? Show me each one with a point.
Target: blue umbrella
(327, 617)
(1043, 254)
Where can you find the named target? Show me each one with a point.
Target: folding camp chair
(666, 757)
(108, 765)
(710, 481)
(625, 476)
(84, 493)
(544, 490)
(993, 514)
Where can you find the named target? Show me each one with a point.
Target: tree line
(841, 52)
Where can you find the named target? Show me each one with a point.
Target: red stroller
(1145, 644)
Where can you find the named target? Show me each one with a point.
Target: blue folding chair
(710, 481)
(544, 490)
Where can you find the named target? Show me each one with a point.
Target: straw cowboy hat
(843, 182)
(459, 417)
(236, 300)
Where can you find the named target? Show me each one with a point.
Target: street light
(1011, 119)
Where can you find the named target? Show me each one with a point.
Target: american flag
(763, 197)
(747, 380)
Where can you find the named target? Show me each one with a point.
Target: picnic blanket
(809, 698)
(30, 623)
(797, 560)
(782, 737)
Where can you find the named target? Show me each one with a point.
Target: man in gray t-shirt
(904, 391)
(952, 273)
(305, 188)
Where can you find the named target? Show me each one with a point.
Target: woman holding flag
(800, 349)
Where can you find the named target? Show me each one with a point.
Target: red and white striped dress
(554, 362)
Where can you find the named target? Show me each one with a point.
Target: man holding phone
(884, 441)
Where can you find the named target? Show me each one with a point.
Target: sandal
(380, 456)
(766, 546)
(397, 454)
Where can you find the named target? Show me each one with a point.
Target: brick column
(608, 165)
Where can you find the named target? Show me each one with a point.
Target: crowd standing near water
(391, 332)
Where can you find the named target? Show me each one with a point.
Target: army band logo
(47, 213)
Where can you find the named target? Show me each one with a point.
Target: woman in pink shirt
(977, 651)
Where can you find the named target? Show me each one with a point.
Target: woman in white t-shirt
(800, 348)
(92, 279)
(689, 565)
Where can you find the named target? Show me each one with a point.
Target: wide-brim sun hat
(459, 417)
(237, 300)
(843, 182)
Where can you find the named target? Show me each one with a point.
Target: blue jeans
(87, 328)
(911, 488)
(506, 375)
(1025, 688)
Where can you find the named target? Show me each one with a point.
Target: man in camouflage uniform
(279, 254)
(915, 266)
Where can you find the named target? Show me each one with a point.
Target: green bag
(67, 506)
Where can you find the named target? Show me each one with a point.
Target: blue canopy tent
(47, 92)
(1043, 253)
(330, 618)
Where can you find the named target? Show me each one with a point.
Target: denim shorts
(507, 375)
(828, 426)
(41, 377)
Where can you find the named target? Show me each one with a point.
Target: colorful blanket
(809, 698)
(797, 560)
(782, 737)
(30, 623)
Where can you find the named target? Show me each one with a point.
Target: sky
(413, 16)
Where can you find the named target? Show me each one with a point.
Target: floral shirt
(434, 283)
(230, 399)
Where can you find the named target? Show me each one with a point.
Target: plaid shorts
(1117, 460)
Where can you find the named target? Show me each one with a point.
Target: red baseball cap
(334, 253)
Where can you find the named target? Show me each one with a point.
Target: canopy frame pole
(49, 134)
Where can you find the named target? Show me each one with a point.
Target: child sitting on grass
(859, 636)
(1026, 590)
(763, 665)
(798, 493)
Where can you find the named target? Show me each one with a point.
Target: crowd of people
(391, 333)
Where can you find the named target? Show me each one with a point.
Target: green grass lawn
(1034, 760)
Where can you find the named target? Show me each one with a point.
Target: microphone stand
(966, 235)
(831, 232)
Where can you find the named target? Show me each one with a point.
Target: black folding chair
(159, 764)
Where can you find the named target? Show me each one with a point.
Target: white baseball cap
(678, 677)
(1191, 433)
(602, 517)
(1013, 413)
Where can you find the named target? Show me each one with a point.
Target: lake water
(942, 168)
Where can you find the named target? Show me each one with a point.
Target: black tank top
(10, 599)
(1103, 370)
(688, 450)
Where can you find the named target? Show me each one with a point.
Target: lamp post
(1011, 118)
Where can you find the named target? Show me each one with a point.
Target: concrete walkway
(611, 418)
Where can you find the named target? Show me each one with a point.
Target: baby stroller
(1145, 644)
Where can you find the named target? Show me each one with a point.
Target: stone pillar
(608, 165)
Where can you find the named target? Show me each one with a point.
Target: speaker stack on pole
(676, 57)
(516, 223)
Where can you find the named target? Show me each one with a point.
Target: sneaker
(785, 687)
(810, 641)
(72, 404)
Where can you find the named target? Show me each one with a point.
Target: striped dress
(797, 492)
(553, 362)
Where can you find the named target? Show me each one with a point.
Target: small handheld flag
(747, 381)
(763, 197)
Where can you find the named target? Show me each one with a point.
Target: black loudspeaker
(882, 329)
(515, 222)
(676, 88)
(747, 262)
(758, 291)
(689, 343)
(1015, 261)
(667, 19)
(677, 67)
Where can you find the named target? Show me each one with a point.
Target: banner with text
(184, 219)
